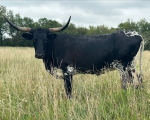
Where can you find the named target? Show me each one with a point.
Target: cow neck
(49, 52)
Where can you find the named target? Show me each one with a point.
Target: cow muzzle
(39, 56)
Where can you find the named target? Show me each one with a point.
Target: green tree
(13, 33)
(3, 27)
(101, 29)
(144, 29)
(143, 25)
(128, 25)
(45, 23)
(28, 22)
(82, 31)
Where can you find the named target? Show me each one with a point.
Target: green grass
(28, 92)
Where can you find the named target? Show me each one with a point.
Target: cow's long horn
(60, 28)
(23, 29)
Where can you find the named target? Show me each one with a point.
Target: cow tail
(140, 60)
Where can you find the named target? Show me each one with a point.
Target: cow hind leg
(124, 81)
(134, 78)
(140, 78)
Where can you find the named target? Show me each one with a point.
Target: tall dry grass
(28, 92)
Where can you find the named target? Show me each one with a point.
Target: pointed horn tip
(70, 17)
(60, 28)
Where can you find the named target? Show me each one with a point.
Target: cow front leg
(120, 67)
(47, 65)
(68, 85)
(124, 79)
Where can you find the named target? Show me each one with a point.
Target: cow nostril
(39, 56)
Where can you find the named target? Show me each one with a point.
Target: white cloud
(84, 13)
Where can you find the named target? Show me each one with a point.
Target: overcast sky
(83, 12)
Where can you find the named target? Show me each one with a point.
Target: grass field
(28, 92)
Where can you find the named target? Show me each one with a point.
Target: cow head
(40, 36)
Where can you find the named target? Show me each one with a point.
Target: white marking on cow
(70, 71)
(117, 65)
(134, 77)
(131, 33)
(126, 78)
(56, 73)
(48, 71)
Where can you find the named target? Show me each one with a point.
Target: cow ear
(52, 36)
(27, 36)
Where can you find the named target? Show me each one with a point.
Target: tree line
(12, 37)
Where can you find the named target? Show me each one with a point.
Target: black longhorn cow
(85, 54)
